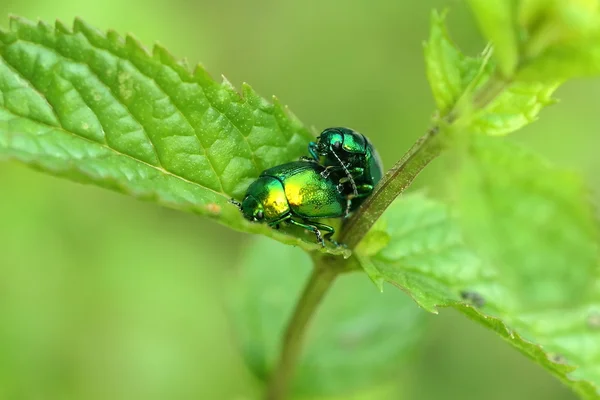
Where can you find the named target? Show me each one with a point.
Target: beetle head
(331, 139)
(252, 209)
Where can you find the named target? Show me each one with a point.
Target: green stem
(321, 279)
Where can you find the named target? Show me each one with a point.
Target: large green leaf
(551, 316)
(98, 108)
(359, 338)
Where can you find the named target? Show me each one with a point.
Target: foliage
(512, 243)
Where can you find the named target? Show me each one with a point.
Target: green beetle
(352, 159)
(297, 193)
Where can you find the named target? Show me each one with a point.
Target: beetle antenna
(236, 203)
(354, 188)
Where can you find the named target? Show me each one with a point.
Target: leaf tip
(200, 73)
(44, 26)
(250, 95)
(278, 107)
(438, 17)
(6, 36)
(133, 44)
(111, 35)
(16, 23)
(432, 310)
(161, 53)
(247, 89)
(226, 83)
(80, 26)
(61, 27)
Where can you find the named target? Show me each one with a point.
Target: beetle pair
(340, 174)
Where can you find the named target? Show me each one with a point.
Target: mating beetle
(296, 193)
(345, 150)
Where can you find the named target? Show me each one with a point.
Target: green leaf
(576, 59)
(564, 39)
(450, 73)
(358, 339)
(517, 106)
(497, 21)
(547, 23)
(531, 222)
(98, 108)
(428, 257)
(444, 64)
(453, 75)
(542, 40)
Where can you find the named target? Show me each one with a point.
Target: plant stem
(321, 279)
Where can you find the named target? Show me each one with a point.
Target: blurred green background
(105, 297)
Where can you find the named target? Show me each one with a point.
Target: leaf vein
(119, 153)
(33, 87)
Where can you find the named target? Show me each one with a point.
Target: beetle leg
(276, 224)
(348, 205)
(309, 226)
(363, 191)
(307, 159)
(357, 172)
(327, 171)
(329, 229)
(236, 203)
(312, 149)
(348, 174)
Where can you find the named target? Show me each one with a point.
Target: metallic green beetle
(352, 159)
(296, 193)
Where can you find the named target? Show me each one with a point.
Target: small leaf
(378, 330)
(444, 62)
(517, 106)
(497, 21)
(429, 259)
(98, 108)
(450, 73)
